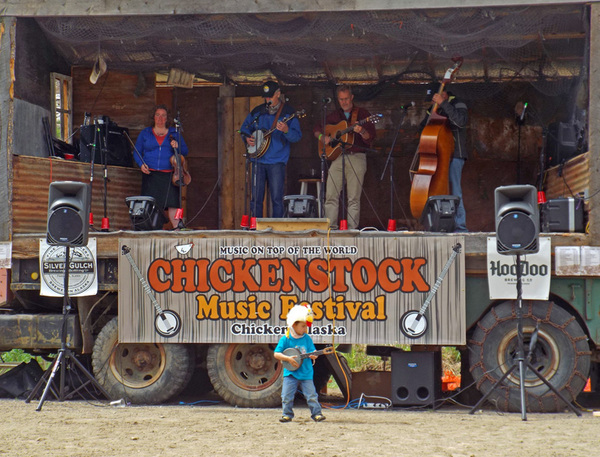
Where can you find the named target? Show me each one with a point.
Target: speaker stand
(521, 362)
(64, 357)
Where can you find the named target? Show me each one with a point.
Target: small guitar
(293, 352)
(340, 135)
(262, 137)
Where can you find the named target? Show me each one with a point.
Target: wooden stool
(304, 182)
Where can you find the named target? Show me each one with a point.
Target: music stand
(64, 357)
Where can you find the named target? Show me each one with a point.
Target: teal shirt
(304, 344)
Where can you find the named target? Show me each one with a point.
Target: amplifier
(300, 206)
(562, 215)
(439, 212)
(416, 378)
(111, 143)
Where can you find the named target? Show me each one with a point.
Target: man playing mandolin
(269, 155)
(353, 161)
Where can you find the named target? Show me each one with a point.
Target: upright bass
(430, 165)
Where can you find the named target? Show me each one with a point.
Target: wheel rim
(252, 366)
(138, 365)
(545, 358)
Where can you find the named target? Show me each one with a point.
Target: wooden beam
(174, 7)
(594, 112)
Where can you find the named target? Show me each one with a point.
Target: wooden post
(226, 158)
(594, 114)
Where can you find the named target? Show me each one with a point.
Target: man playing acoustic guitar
(353, 161)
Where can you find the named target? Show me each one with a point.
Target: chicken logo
(183, 249)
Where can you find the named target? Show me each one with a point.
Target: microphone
(405, 107)
(327, 100)
(269, 103)
(523, 112)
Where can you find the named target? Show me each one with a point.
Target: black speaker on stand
(517, 232)
(416, 378)
(68, 215)
(517, 219)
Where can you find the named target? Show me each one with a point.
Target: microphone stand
(92, 160)
(343, 225)
(104, 150)
(253, 161)
(520, 122)
(245, 223)
(179, 212)
(390, 160)
(323, 158)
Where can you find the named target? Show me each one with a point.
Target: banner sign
(535, 272)
(223, 290)
(83, 272)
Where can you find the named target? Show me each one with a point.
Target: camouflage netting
(528, 42)
(545, 46)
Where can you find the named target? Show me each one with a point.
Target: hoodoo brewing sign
(240, 289)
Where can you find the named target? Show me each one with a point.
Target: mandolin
(340, 134)
(262, 137)
(293, 352)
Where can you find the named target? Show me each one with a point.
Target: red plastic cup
(179, 214)
(69, 156)
(391, 225)
(343, 224)
(252, 223)
(91, 218)
(245, 221)
(541, 197)
(105, 224)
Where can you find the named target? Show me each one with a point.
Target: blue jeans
(272, 174)
(288, 392)
(454, 177)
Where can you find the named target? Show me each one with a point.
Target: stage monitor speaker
(299, 206)
(110, 140)
(68, 213)
(144, 214)
(562, 143)
(562, 215)
(517, 220)
(439, 213)
(416, 378)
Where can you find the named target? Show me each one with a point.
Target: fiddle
(187, 178)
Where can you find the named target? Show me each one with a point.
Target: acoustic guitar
(341, 135)
(262, 137)
(293, 352)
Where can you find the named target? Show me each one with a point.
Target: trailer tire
(245, 375)
(141, 373)
(561, 355)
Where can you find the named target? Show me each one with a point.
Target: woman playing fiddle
(155, 149)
